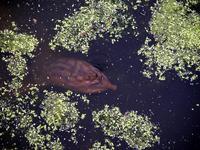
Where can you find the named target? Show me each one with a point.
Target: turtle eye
(96, 75)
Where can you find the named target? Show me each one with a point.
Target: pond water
(173, 104)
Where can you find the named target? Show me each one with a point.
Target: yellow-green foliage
(18, 70)
(39, 119)
(17, 45)
(35, 137)
(26, 119)
(6, 111)
(58, 111)
(91, 21)
(176, 30)
(135, 129)
(55, 145)
(16, 66)
(59, 114)
(193, 2)
(99, 146)
(14, 113)
(42, 141)
(137, 3)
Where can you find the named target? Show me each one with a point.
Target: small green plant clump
(59, 112)
(192, 2)
(108, 145)
(17, 45)
(39, 140)
(176, 31)
(15, 113)
(94, 20)
(135, 129)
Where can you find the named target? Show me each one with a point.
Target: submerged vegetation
(176, 30)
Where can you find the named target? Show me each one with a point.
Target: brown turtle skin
(74, 74)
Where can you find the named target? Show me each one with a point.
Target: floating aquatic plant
(59, 112)
(17, 45)
(42, 141)
(38, 118)
(19, 110)
(94, 20)
(192, 2)
(176, 31)
(135, 129)
(108, 145)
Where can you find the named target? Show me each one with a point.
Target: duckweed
(41, 118)
(99, 146)
(59, 112)
(135, 129)
(41, 141)
(94, 20)
(192, 2)
(176, 31)
(17, 45)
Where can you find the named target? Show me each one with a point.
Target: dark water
(172, 104)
